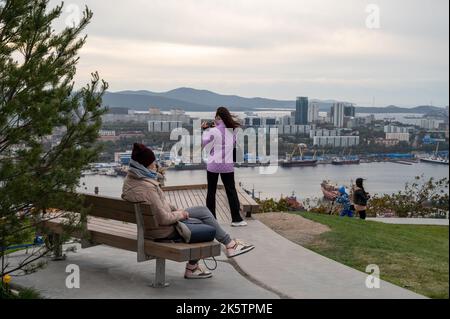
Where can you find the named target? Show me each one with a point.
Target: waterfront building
(153, 114)
(287, 120)
(337, 113)
(402, 137)
(131, 135)
(397, 129)
(350, 110)
(325, 132)
(350, 122)
(430, 124)
(313, 112)
(108, 136)
(385, 142)
(336, 141)
(107, 133)
(294, 129)
(163, 126)
(301, 111)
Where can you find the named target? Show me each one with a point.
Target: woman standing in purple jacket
(220, 139)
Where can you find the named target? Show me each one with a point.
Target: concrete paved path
(412, 221)
(275, 268)
(107, 272)
(296, 272)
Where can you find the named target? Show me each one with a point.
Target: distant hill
(189, 99)
(423, 109)
(205, 101)
(142, 102)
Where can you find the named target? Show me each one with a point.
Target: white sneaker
(239, 224)
(197, 273)
(239, 248)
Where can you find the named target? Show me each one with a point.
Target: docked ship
(346, 160)
(247, 164)
(435, 158)
(298, 162)
(292, 161)
(188, 166)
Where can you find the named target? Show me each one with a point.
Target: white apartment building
(107, 133)
(396, 129)
(430, 124)
(336, 141)
(313, 112)
(324, 132)
(294, 129)
(338, 114)
(163, 126)
(404, 137)
(144, 117)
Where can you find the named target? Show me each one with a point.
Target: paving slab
(296, 272)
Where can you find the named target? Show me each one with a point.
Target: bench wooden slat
(176, 188)
(118, 209)
(103, 232)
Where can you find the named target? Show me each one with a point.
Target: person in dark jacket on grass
(360, 198)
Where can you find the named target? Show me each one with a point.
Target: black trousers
(362, 214)
(230, 188)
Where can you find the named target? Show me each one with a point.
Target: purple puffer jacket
(222, 141)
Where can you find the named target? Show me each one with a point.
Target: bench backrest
(118, 209)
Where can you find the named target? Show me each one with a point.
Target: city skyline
(272, 49)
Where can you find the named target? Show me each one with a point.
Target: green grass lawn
(413, 257)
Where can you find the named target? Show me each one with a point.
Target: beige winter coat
(148, 191)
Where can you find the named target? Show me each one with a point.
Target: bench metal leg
(160, 275)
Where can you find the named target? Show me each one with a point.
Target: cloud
(285, 48)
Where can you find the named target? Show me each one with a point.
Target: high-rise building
(337, 111)
(350, 111)
(313, 112)
(301, 111)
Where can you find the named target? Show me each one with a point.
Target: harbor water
(381, 178)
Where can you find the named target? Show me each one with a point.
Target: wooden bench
(117, 223)
(195, 195)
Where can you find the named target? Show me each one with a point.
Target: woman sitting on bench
(142, 185)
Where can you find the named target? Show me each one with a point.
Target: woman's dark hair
(360, 184)
(228, 119)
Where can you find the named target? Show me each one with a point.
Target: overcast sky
(272, 48)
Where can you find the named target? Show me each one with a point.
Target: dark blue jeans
(346, 212)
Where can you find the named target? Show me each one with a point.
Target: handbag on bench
(193, 231)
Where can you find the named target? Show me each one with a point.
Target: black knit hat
(359, 182)
(142, 154)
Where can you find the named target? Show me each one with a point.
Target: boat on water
(292, 161)
(329, 190)
(188, 166)
(346, 160)
(435, 158)
(298, 163)
(247, 164)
